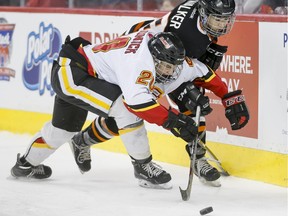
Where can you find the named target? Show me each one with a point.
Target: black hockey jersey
(183, 20)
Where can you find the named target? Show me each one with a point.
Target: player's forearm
(214, 84)
(151, 112)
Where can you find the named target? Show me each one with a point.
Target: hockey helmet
(168, 53)
(217, 16)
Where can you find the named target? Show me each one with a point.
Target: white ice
(110, 189)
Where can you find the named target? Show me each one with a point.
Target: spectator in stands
(9, 3)
(274, 7)
(47, 3)
(261, 6)
(248, 6)
(88, 3)
(120, 4)
(168, 5)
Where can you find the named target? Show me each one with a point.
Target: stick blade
(224, 173)
(184, 194)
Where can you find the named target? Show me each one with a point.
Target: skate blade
(82, 172)
(26, 179)
(215, 183)
(147, 184)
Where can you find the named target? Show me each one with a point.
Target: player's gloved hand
(213, 55)
(181, 126)
(236, 110)
(76, 42)
(196, 98)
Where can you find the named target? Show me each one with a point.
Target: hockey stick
(214, 158)
(185, 194)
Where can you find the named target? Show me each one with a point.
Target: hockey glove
(196, 98)
(213, 55)
(76, 42)
(181, 126)
(188, 97)
(236, 110)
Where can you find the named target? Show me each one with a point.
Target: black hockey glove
(181, 126)
(196, 98)
(236, 110)
(188, 97)
(213, 56)
(76, 42)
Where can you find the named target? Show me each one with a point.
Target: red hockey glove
(236, 110)
(181, 126)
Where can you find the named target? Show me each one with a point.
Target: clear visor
(218, 25)
(166, 72)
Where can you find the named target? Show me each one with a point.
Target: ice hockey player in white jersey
(199, 24)
(120, 81)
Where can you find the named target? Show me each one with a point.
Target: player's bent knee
(55, 137)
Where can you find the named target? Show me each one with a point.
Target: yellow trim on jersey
(83, 94)
(146, 108)
(142, 109)
(212, 76)
(41, 145)
(128, 130)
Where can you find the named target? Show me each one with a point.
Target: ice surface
(110, 189)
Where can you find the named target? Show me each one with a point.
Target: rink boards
(256, 62)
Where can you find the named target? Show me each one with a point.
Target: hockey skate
(206, 173)
(81, 152)
(151, 175)
(26, 170)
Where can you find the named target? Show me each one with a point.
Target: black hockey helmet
(217, 16)
(168, 53)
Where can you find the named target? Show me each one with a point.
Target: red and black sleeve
(213, 83)
(152, 112)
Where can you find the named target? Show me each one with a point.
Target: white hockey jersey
(128, 63)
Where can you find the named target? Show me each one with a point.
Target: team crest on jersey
(43, 47)
(6, 32)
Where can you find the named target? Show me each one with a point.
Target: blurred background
(243, 6)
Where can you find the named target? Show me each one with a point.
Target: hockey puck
(206, 210)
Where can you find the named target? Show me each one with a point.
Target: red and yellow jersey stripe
(152, 112)
(212, 82)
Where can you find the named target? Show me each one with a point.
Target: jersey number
(146, 78)
(118, 43)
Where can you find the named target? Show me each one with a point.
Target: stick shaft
(185, 194)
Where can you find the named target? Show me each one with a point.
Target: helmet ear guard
(168, 53)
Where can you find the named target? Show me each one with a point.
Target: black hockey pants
(78, 92)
